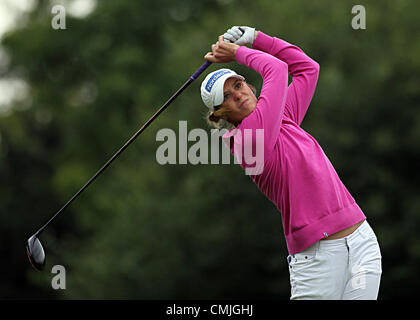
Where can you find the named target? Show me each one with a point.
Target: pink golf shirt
(296, 176)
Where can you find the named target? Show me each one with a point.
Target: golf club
(34, 247)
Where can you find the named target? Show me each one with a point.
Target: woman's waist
(345, 232)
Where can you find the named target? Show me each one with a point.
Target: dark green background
(147, 231)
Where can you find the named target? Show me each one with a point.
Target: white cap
(212, 87)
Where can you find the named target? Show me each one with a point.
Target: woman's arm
(269, 111)
(270, 107)
(302, 68)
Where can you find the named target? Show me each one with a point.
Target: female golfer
(333, 251)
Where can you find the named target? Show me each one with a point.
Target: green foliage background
(147, 231)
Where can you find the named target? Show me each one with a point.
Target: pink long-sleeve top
(296, 175)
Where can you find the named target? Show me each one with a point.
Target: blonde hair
(214, 118)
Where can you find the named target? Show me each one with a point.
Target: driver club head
(35, 253)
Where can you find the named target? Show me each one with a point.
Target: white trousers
(342, 269)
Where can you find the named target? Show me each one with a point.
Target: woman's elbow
(315, 66)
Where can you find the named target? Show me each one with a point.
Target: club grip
(200, 70)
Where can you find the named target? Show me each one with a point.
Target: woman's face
(238, 99)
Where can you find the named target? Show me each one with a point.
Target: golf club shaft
(171, 99)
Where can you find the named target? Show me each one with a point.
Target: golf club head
(35, 253)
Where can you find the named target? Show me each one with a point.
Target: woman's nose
(237, 95)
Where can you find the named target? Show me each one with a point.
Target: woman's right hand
(222, 52)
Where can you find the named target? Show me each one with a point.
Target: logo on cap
(214, 78)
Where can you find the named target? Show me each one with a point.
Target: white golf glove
(240, 35)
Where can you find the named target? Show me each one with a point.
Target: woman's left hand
(222, 51)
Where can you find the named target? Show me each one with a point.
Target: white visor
(212, 87)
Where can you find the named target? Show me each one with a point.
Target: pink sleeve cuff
(262, 41)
